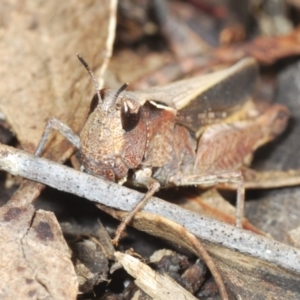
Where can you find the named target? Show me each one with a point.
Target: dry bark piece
(33, 256)
(155, 285)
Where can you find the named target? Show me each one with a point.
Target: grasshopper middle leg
(143, 177)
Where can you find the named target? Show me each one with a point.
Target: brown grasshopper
(150, 137)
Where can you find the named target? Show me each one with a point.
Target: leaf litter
(46, 80)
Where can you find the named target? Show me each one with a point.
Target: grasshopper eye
(130, 116)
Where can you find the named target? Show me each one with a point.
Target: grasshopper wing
(207, 98)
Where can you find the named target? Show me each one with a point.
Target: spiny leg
(144, 178)
(209, 179)
(64, 129)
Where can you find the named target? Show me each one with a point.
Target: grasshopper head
(114, 137)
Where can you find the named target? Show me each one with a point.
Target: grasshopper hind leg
(211, 179)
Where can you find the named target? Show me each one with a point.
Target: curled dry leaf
(33, 256)
(251, 265)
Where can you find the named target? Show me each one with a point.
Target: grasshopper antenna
(96, 84)
(119, 91)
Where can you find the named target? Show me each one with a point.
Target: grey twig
(20, 163)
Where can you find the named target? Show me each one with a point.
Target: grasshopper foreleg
(65, 130)
(210, 179)
(143, 178)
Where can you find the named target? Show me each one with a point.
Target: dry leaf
(33, 256)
